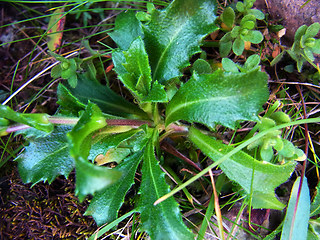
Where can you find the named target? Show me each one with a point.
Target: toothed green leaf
(46, 157)
(220, 98)
(106, 203)
(174, 35)
(127, 29)
(241, 167)
(162, 221)
(134, 71)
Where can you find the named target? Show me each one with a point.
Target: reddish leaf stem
(170, 149)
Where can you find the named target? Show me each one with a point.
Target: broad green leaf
(89, 177)
(55, 29)
(134, 71)
(174, 35)
(106, 203)
(127, 29)
(162, 221)
(108, 101)
(241, 168)
(295, 226)
(36, 120)
(109, 141)
(219, 98)
(46, 157)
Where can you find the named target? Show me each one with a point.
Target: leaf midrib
(198, 101)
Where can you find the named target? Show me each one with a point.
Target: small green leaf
(295, 226)
(127, 29)
(46, 157)
(36, 120)
(228, 17)
(312, 30)
(249, 25)
(257, 13)
(201, 67)
(234, 32)
(252, 62)
(240, 6)
(174, 35)
(254, 37)
(309, 54)
(56, 71)
(277, 58)
(316, 47)
(238, 46)
(133, 68)
(300, 32)
(225, 48)
(143, 16)
(221, 98)
(229, 66)
(156, 94)
(241, 167)
(164, 220)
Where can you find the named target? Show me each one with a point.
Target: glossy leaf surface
(89, 177)
(75, 99)
(127, 29)
(295, 226)
(46, 157)
(174, 34)
(220, 98)
(134, 71)
(106, 203)
(162, 221)
(241, 168)
(36, 120)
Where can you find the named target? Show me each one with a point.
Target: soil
(291, 13)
